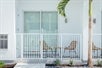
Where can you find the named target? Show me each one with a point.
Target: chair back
(72, 45)
(45, 45)
(95, 48)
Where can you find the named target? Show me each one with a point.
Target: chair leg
(93, 54)
(51, 52)
(97, 53)
(46, 52)
(76, 54)
(69, 54)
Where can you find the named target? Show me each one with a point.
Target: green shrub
(57, 62)
(1, 64)
(99, 63)
(71, 62)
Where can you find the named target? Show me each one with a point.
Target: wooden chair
(71, 47)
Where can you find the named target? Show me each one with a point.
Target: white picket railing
(29, 45)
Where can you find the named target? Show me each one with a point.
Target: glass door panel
(31, 22)
(49, 22)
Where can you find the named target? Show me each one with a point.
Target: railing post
(61, 46)
(80, 48)
(41, 45)
(21, 46)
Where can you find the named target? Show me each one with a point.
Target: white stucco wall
(0, 15)
(38, 5)
(7, 26)
(97, 8)
(74, 16)
(85, 31)
(74, 12)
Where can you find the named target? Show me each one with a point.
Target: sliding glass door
(35, 25)
(49, 22)
(40, 22)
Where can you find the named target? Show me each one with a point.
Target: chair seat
(72, 46)
(69, 48)
(95, 48)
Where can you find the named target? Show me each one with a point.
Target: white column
(85, 30)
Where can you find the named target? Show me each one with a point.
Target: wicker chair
(94, 48)
(71, 47)
(45, 46)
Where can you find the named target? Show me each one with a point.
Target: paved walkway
(25, 65)
(73, 67)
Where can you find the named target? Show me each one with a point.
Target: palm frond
(90, 7)
(61, 7)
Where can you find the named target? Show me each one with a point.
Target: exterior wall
(75, 18)
(74, 12)
(7, 26)
(85, 31)
(32, 5)
(97, 8)
(97, 28)
(50, 5)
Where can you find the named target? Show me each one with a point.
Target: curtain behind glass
(31, 22)
(49, 22)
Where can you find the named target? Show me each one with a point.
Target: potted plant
(99, 63)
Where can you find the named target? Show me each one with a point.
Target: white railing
(97, 41)
(36, 45)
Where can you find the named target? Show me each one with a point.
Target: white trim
(81, 42)
(61, 48)
(22, 46)
(41, 47)
(49, 33)
(97, 34)
(40, 22)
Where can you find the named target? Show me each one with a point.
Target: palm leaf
(90, 7)
(61, 7)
